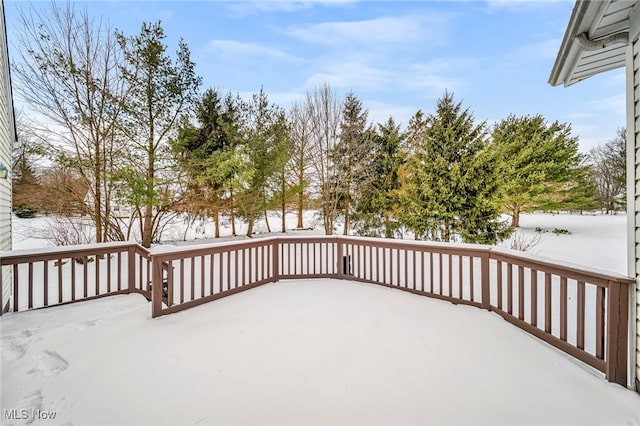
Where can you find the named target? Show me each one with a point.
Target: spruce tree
(352, 155)
(375, 213)
(538, 163)
(449, 182)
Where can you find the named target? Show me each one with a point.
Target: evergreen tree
(162, 89)
(449, 183)
(537, 162)
(375, 212)
(204, 152)
(265, 140)
(352, 155)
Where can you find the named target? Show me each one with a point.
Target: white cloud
(545, 49)
(379, 112)
(243, 8)
(615, 104)
(237, 48)
(378, 32)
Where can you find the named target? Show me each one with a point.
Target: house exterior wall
(7, 137)
(633, 190)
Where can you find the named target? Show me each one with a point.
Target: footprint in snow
(50, 363)
(14, 346)
(31, 402)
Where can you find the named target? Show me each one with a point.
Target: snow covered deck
(296, 352)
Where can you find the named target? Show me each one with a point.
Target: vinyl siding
(633, 126)
(7, 136)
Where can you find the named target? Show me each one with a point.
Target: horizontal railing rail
(581, 311)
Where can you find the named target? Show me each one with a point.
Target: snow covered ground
(297, 352)
(598, 241)
(313, 351)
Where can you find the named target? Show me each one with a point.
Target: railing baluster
(440, 274)
(471, 279)
(192, 262)
(16, 289)
(450, 270)
(431, 272)
(170, 286)
(119, 271)
(534, 297)
(521, 292)
(460, 280)
(510, 288)
(73, 278)
(499, 283)
(182, 280)
(45, 283)
(580, 315)
(221, 271)
(59, 281)
(384, 265)
(563, 308)
(415, 267)
(30, 282)
(108, 272)
(547, 303)
(235, 268)
(85, 276)
(244, 268)
(211, 279)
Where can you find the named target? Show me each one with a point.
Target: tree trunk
(300, 201)
(250, 227)
(515, 217)
(97, 196)
(283, 206)
(266, 220)
(345, 231)
(216, 222)
(232, 213)
(446, 237)
(388, 232)
(147, 227)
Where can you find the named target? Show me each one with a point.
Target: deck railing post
(486, 284)
(275, 247)
(156, 286)
(339, 261)
(131, 269)
(617, 328)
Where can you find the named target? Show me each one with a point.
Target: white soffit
(598, 20)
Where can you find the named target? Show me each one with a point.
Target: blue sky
(398, 57)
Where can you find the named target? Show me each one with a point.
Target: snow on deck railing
(582, 311)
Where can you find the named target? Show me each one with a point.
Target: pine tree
(352, 155)
(375, 212)
(204, 151)
(449, 183)
(537, 163)
(265, 148)
(162, 89)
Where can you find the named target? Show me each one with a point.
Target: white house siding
(633, 186)
(7, 137)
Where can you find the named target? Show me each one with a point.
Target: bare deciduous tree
(68, 72)
(608, 165)
(301, 133)
(326, 111)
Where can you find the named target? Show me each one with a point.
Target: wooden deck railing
(581, 311)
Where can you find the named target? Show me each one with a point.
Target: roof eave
(560, 71)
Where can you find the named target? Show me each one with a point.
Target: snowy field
(309, 352)
(598, 241)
